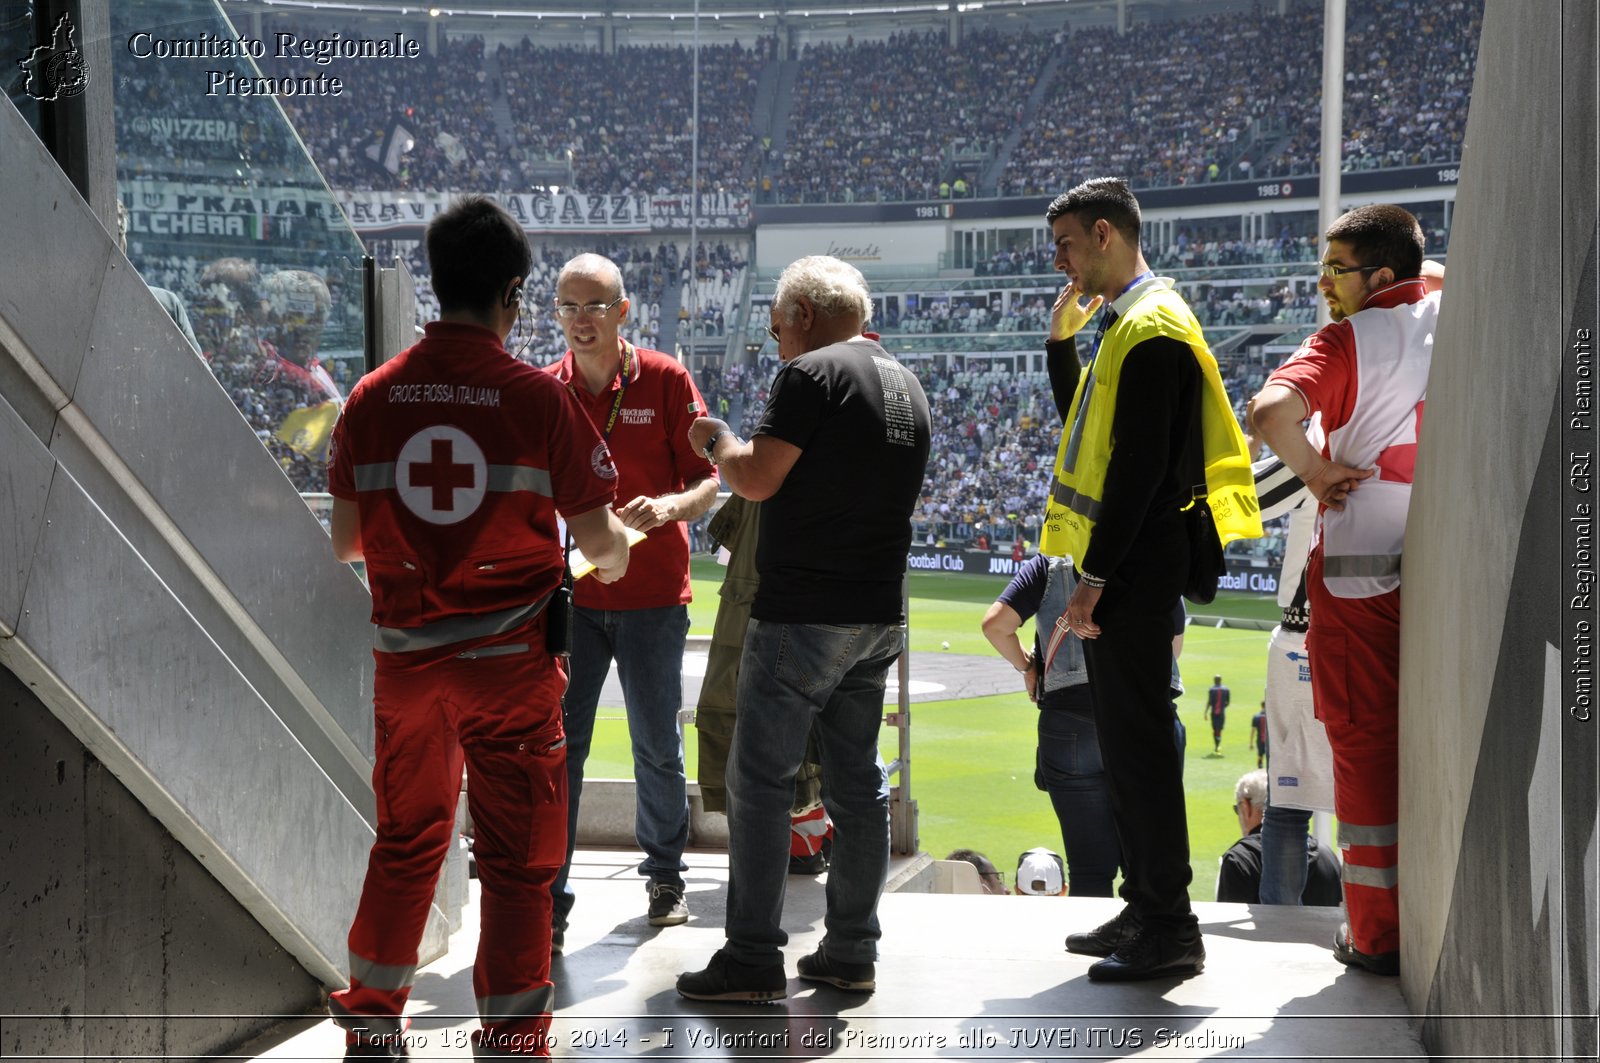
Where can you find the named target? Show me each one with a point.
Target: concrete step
(959, 977)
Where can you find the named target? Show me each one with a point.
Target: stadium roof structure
(831, 11)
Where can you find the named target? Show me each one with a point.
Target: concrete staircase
(989, 180)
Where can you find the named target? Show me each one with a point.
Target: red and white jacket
(1368, 378)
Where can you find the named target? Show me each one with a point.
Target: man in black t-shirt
(1239, 876)
(838, 459)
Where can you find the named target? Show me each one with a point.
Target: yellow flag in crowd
(307, 429)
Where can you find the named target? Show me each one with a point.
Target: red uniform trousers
(499, 709)
(1354, 645)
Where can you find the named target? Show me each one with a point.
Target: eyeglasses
(772, 330)
(568, 311)
(1332, 270)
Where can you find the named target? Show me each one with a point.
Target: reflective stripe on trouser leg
(417, 781)
(516, 754)
(1354, 647)
(515, 1025)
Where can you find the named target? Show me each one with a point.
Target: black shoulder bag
(1206, 563)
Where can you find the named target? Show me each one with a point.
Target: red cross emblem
(442, 475)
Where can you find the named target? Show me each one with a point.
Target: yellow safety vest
(1086, 443)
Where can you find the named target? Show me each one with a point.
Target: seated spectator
(1239, 880)
(993, 881)
(1040, 874)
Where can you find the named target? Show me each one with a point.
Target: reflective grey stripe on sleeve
(524, 1005)
(1076, 501)
(379, 1028)
(381, 975)
(1353, 834)
(454, 629)
(1358, 565)
(519, 478)
(1383, 878)
(375, 477)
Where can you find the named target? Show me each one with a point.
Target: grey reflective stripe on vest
(381, 975)
(1382, 878)
(375, 477)
(381, 477)
(529, 1004)
(1384, 834)
(1356, 566)
(1069, 460)
(454, 629)
(1076, 501)
(519, 478)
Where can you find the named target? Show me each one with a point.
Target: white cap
(1039, 873)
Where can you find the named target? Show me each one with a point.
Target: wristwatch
(709, 450)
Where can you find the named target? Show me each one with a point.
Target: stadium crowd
(881, 118)
(440, 105)
(627, 118)
(1235, 97)
(1230, 97)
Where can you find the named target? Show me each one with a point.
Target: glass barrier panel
(226, 212)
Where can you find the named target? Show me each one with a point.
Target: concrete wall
(112, 931)
(1498, 811)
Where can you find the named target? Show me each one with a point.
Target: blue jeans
(1284, 834)
(1069, 770)
(648, 647)
(791, 676)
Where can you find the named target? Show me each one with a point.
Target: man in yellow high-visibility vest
(1149, 428)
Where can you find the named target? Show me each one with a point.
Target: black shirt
(1239, 880)
(834, 536)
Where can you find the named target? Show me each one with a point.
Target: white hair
(834, 287)
(1252, 787)
(590, 264)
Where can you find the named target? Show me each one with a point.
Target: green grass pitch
(972, 760)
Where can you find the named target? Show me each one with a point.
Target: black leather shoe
(1150, 955)
(1384, 963)
(725, 978)
(820, 967)
(1108, 937)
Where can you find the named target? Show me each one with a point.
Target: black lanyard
(622, 389)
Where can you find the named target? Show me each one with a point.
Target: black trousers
(1130, 670)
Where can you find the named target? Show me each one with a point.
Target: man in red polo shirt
(1366, 375)
(449, 465)
(642, 402)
